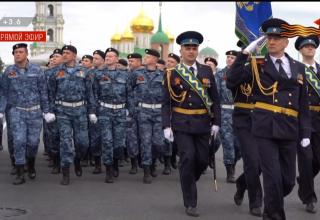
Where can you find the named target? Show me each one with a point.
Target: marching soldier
(50, 130)
(309, 157)
(191, 111)
(147, 90)
(243, 105)
(280, 117)
(95, 148)
(133, 142)
(111, 91)
(231, 151)
(25, 97)
(72, 97)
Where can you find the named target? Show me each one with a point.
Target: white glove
(93, 118)
(254, 44)
(127, 112)
(1, 116)
(49, 117)
(214, 130)
(305, 142)
(168, 134)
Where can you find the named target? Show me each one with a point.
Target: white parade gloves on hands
(93, 118)
(305, 142)
(254, 44)
(49, 117)
(168, 134)
(214, 130)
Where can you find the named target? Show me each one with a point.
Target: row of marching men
(105, 110)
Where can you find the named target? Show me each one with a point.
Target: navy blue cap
(174, 56)
(232, 52)
(152, 52)
(20, 45)
(302, 41)
(211, 59)
(100, 53)
(70, 47)
(273, 26)
(189, 37)
(123, 62)
(88, 57)
(57, 51)
(111, 49)
(134, 55)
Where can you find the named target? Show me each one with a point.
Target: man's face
(111, 58)
(86, 63)
(150, 60)
(160, 66)
(134, 63)
(230, 60)
(171, 63)
(189, 53)
(308, 50)
(68, 56)
(20, 55)
(97, 60)
(276, 44)
(57, 59)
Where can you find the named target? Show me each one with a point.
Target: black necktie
(191, 69)
(281, 70)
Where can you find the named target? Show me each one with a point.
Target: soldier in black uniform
(280, 117)
(309, 157)
(191, 109)
(249, 179)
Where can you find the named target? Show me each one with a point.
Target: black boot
(31, 168)
(97, 165)
(230, 173)
(56, 164)
(77, 167)
(14, 169)
(115, 167)
(153, 170)
(146, 175)
(65, 175)
(134, 166)
(174, 161)
(238, 196)
(167, 167)
(20, 175)
(109, 174)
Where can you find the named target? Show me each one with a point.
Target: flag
(249, 17)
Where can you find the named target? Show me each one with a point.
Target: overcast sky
(89, 26)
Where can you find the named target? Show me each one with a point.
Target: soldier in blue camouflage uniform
(1, 120)
(25, 91)
(110, 87)
(71, 94)
(95, 149)
(50, 130)
(229, 143)
(133, 143)
(147, 87)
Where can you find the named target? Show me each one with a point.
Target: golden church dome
(127, 35)
(170, 36)
(116, 37)
(142, 23)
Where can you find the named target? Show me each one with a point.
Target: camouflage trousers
(73, 131)
(51, 138)
(94, 140)
(25, 128)
(230, 145)
(150, 134)
(112, 124)
(132, 141)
